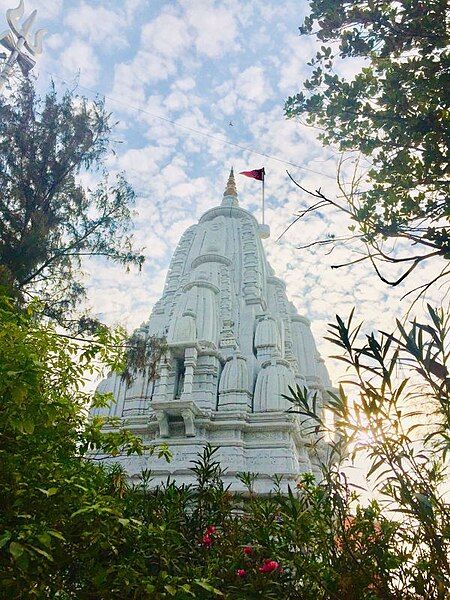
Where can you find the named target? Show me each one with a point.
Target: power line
(196, 131)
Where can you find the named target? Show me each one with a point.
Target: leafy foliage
(72, 528)
(394, 112)
(143, 355)
(50, 221)
(45, 478)
(399, 419)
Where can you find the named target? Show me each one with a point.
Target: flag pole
(260, 175)
(264, 176)
(263, 197)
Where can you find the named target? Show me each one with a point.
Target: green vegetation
(72, 528)
(51, 222)
(395, 411)
(395, 113)
(56, 507)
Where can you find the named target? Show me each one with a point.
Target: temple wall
(235, 345)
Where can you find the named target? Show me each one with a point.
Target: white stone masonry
(235, 345)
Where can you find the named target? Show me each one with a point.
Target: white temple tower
(235, 345)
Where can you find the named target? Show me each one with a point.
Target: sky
(221, 72)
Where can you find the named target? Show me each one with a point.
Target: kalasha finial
(231, 190)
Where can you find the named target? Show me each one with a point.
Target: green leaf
(208, 587)
(45, 539)
(27, 426)
(42, 552)
(16, 550)
(187, 588)
(84, 510)
(4, 539)
(376, 465)
(57, 534)
(50, 492)
(169, 588)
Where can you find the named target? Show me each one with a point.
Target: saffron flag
(255, 174)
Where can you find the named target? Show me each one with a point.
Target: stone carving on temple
(235, 344)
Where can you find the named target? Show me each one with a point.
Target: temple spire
(231, 190)
(234, 347)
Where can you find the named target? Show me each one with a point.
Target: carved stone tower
(235, 345)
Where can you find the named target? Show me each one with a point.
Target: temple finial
(231, 190)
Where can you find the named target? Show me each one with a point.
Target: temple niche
(234, 346)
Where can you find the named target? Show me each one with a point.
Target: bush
(71, 528)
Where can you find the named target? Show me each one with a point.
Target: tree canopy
(50, 221)
(394, 111)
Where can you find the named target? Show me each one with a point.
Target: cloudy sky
(203, 65)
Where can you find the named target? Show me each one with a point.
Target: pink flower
(247, 549)
(241, 572)
(269, 566)
(207, 541)
(210, 529)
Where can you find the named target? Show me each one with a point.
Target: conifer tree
(51, 223)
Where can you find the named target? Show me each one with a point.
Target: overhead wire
(193, 130)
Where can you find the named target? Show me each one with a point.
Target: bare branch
(400, 279)
(352, 262)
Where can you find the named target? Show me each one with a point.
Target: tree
(50, 222)
(46, 479)
(394, 112)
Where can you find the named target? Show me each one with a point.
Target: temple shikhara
(235, 344)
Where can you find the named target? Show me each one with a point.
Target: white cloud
(166, 35)
(246, 93)
(203, 64)
(79, 56)
(132, 8)
(163, 41)
(177, 100)
(99, 25)
(215, 28)
(292, 62)
(54, 42)
(128, 85)
(253, 85)
(185, 84)
(141, 164)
